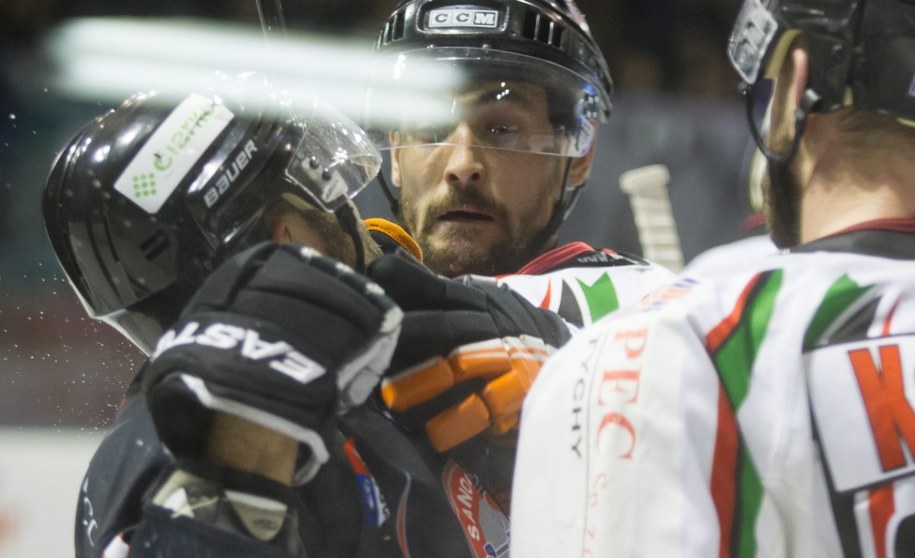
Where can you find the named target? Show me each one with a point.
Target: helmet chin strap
(808, 103)
(346, 216)
(781, 200)
(393, 202)
(561, 209)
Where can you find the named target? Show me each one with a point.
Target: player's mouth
(465, 215)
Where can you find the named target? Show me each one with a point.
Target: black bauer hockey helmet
(862, 52)
(150, 197)
(542, 43)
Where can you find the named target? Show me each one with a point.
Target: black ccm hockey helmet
(147, 199)
(430, 52)
(545, 43)
(862, 52)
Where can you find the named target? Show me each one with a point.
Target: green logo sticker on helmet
(144, 185)
(172, 150)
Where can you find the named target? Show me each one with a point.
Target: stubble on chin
(457, 254)
(463, 253)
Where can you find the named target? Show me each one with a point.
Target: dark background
(675, 104)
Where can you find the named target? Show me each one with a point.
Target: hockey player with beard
(485, 188)
(434, 480)
(767, 410)
(252, 431)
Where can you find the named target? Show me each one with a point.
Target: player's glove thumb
(278, 335)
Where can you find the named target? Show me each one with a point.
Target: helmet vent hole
(155, 244)
(542, 29)
(393, 29)
(531, 19)
(556, 36)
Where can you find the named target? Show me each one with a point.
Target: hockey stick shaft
(654, 220)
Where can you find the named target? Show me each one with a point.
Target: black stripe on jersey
(568, 306)
(895, 245)
(855, 327)
(843, 505)
(905, 538)
(595, 258)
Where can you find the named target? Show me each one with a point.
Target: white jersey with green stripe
(582, 284)
(767, 411)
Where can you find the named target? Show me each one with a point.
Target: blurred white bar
(109, 59)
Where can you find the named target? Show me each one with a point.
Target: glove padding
(468, 352)
(278, 335)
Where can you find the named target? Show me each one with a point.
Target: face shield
(314, 153)
(334, 160)
(481, 97)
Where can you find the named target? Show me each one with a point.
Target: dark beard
(782, 193)
(505, 257)
(783, 205)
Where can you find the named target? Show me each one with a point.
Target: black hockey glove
(278, 335)
(468, 352)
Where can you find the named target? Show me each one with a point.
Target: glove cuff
(183, 406)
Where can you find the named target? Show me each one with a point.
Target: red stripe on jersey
(882, 505)
(724, 469)
(723, 330)
(402, 522)
(901, 224)
(888, 322)
(545, 303)
(727, 441)
(546, 261)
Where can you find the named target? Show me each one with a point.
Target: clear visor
(324, 154)
(481, 97)
(334, 160)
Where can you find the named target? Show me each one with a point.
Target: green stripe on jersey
(601, 296)
(734, 362)
(734, 358)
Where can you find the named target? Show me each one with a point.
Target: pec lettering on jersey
(618, 389)
(613, 435)
(863, 399)
(485, 526)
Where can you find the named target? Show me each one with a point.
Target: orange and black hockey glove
(468, 352)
